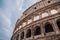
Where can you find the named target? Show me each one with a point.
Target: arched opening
(44, 15)
(23, 24)
(22, 35)
(29, 21)
(36, 17)
(17, 38)
(37, 30)
(28, 34)
(58, 23)
(48, 27)
(54, 11)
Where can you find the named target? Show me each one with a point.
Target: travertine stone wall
(38, 9)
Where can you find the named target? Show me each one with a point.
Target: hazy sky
(10, 11)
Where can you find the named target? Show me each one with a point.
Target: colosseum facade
(41, 21)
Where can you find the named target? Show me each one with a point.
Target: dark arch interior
(37, 30)
(58, 23)
(17, 38)
(28, 33)
(48, 28)
(22, 35)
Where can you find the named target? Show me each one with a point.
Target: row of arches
(37, 30)
(36, 17)
(43, 15)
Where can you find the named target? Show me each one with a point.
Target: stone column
(40, 16)
(42, 29)
(32, 32)
(49, 12)
(55, 27)
(32, 18)
(58, 10)
(25, 34)
(19, 35)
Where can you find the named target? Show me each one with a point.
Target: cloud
(6, 19)
(6, 26)
(20, 4)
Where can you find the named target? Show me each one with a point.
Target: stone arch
(48, 27)
(22, 35)
(54, 11)
(17, 37)
(58, 23)
(37, 30)
(28, 33)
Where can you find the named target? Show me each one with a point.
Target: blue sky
(10, 11)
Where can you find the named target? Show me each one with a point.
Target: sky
(10, 12)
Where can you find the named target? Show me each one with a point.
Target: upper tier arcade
(35, 7)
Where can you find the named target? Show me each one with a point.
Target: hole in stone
(28, 33)
(58, 23)
(37, 30)
(48, 28)
(48, 1)
(35, 8)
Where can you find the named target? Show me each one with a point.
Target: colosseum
(41, 21)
